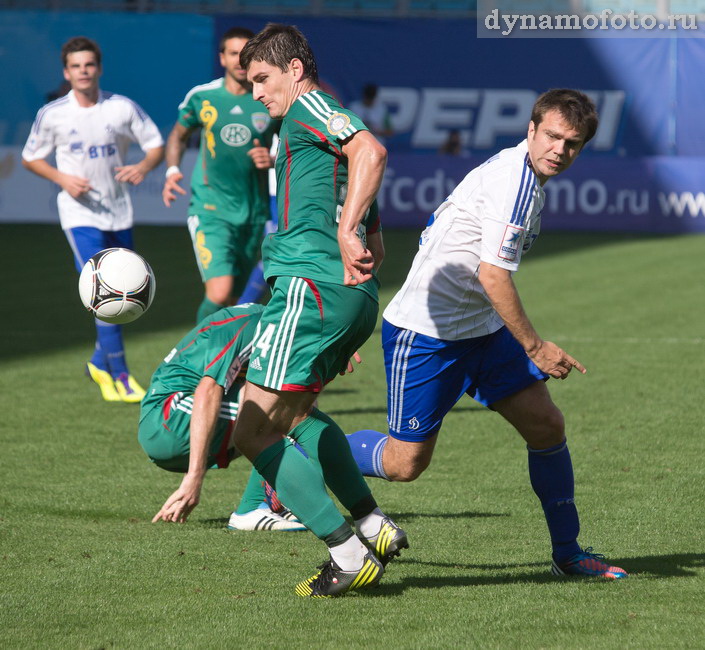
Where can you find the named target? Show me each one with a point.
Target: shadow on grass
(402, 517)
(680, 565)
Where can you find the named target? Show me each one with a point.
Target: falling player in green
(189, 411)
(229, 185)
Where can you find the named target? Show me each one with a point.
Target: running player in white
(91, 130)
(457, 326)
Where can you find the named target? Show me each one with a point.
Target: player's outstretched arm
(175, 147)
(75, 186)
(206, 406)
(135, 174)
(500, 289)
(367, 159)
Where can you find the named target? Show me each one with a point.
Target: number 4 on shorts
(264, 341)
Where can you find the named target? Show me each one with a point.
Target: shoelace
(325, 576)
(595, 556)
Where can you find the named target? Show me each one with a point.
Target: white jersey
(90, 143)
(492, 216)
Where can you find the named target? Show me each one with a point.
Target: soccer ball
(116, 285)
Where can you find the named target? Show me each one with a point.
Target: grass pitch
(83, 567)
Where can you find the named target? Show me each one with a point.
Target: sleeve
(329, 122)
(188, 111)
(40, 142)
(144, 129)
(506, 203)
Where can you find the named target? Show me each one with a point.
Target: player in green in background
(229, 188)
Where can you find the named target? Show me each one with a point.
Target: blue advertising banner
(652, 194)
(644, 169)
(435, 75)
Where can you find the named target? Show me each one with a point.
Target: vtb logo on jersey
(235, 135)
(260, 121)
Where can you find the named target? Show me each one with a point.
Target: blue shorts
(427, 376)
(85, 242)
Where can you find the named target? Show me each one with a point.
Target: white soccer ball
(116, 285)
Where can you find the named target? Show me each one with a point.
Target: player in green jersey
(229, 187)
(188, 415)
(323, 308)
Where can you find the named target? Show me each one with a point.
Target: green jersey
(225, 183)
(218, 347)
(312, 179)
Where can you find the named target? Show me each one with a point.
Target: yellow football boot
(128, 389)
(104, 381)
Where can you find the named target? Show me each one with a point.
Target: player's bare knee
(555, 425)
(547, 431)
(405, 474)
(406, 470)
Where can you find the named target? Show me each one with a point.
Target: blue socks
(367, 447)
(256, 286)
(551, 474)
(109, 352)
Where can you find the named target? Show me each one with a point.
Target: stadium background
(642, 172)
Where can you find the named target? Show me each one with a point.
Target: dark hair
(80, 44)
(277, 45)
(234, 32)
(576, 108)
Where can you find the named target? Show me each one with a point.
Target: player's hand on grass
(180, 504)
(357, 260)
(75, 185)
(260, 155)
(555, 361)
(351, 368)
(171, 188)
(133, 174)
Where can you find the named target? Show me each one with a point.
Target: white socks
(349, 555)
(369, 526)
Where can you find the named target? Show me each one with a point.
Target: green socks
(253, 496)
(326, 444)
(300, 487)
(206, 308)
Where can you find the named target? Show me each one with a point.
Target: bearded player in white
(457, 326)
(91, 130)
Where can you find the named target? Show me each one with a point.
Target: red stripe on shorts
(316, 387)
(316, 293)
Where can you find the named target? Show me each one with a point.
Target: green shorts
(308, 332)
(164, 433)
(222, 248)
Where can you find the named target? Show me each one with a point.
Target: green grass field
(83, 567)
